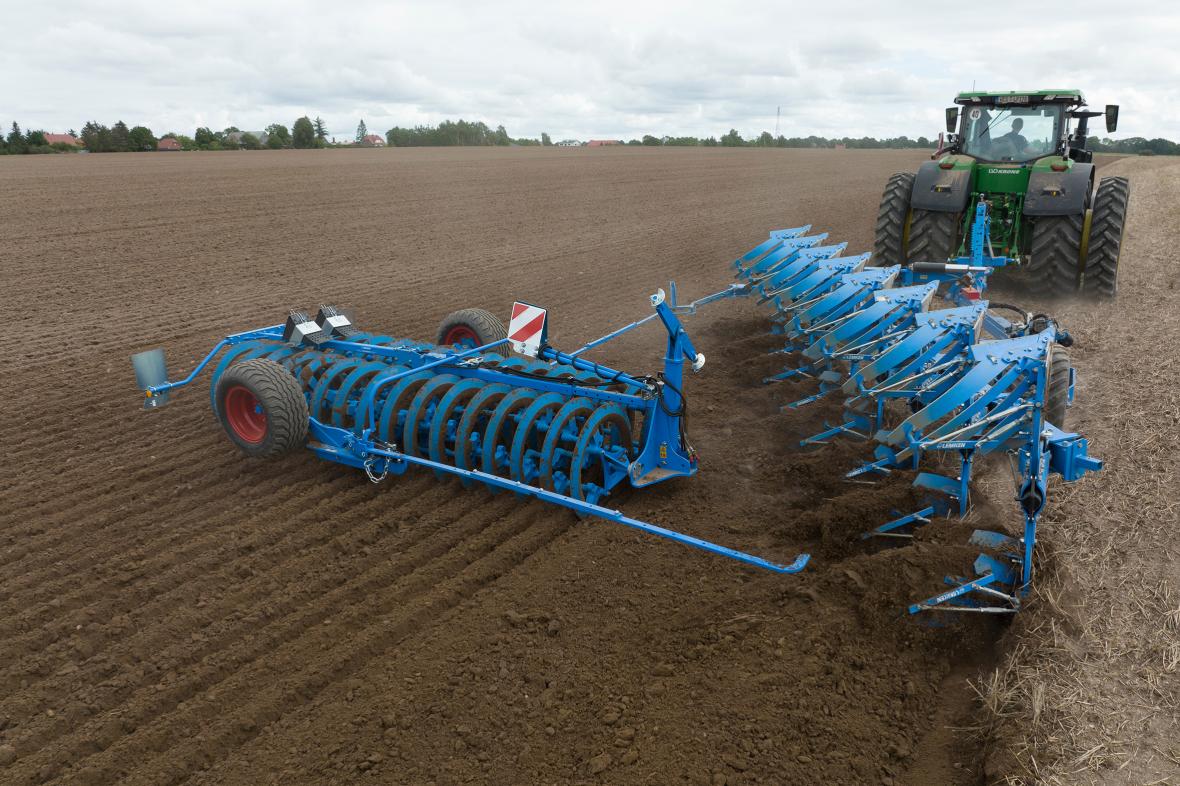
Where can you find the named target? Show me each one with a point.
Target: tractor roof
(1001, 97)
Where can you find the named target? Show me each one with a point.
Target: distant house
(372, 140)
(168, 143)
(603, 142)
(68, 139)
(569, 143)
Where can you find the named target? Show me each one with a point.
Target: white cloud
(607, 68)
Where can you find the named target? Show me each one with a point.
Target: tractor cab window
(1011, 133)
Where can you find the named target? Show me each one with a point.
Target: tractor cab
(1019, 127)
(1011, 134)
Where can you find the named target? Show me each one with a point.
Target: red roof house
(69, 139)
(372, 140)
(168, 143)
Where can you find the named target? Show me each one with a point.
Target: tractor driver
(1014, 138)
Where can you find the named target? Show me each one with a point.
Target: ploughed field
(173, 612)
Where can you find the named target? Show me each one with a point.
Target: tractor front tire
(472, 327)
(1055, 254)
(933, 236)
(262, 408)
(893, 218)
(1101, 275)
(1057, 389)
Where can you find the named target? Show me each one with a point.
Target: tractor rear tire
(472, 327)
(262, 408)
(1101, 275)
(1055, 254)
(893, 217)
(1057, 389)
(933, 236)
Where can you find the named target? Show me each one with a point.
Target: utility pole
(778, 111)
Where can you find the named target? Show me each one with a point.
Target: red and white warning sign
(526, 329)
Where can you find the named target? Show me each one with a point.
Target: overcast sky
(583, 70)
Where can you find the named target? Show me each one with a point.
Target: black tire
(1101, 275)
(1054, 262)
(484, 327)
(933, 236)
(893, 218)
(1057, 392)
(282, 424)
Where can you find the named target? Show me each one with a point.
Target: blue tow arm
(586, 508)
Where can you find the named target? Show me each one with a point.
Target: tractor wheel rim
(462, 336)
(245, 414)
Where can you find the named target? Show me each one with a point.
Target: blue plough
(962, 379)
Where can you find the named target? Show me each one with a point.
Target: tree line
(1135, 146)
(766, 139)
(456, 133)
(306, 133)
(462, 133)
(119, 138)
(18, 142)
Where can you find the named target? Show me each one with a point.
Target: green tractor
(1016, 151)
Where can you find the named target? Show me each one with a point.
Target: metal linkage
(555, 427)
(919, 383)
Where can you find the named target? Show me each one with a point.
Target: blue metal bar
(371, 392)
(605, 372)
(799, 563)
(353, 347)
(157, 389)
(937, 602)
(600, 341)
(234, 338)
(733, 290)
(551, 385)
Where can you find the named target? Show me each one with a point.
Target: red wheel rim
(462, 335)
(245, 415)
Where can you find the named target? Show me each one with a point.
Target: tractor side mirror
(952, 118)
(1112, 118)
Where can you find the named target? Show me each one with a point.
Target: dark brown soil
(173, 612)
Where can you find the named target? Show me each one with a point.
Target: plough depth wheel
(472, 327)
(262, 408)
